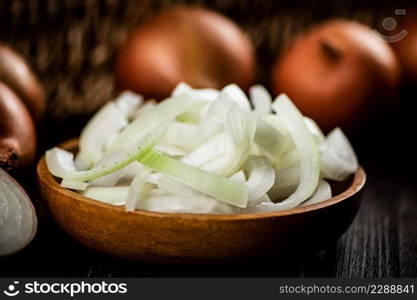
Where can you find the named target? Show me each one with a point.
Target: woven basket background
(72, 44)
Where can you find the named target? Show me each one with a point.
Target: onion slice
(322, 193)
(105, 123)
(139, 188)
(197, 202)
(61, 164)
(146, 123)
(204, 151)
(218, 187)
(128, 103)
(337, 157)
(261, 177)
(18, 220)
(125, 174)
(175, 203)
(74, 185)
(261, 100)
(183, 89)
(115, 195)
(273, 142)
(238, 96)
(308, 154)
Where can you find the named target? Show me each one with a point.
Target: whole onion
(17, 131)
(189, 44)
(406, 46)
(339, 74)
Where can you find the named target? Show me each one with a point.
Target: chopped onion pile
(18, 220)
(205, 151)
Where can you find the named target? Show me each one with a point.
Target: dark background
(71, 45)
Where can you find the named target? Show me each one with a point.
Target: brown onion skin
(17, 132)
(340, 73)
(187, 44)
(406, 48)
(16, 73)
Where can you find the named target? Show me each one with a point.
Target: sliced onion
(239, 177)
(178, 134)
(145, 124)
(139, 189)
(207, 151)
(274, 143)
(212, 122)
(190, 117)
(145, 108)
(128, 103)
(105, 123)
(288, 160)
(218, 187)
(276, 122)
(18, 220)
(174, 203)
(229, 154)
(261, 100)
(238, 96)
(61, 164)
(315, 130)
(242, 127)
(220, 147)
(74, 185)
(115, 195)
(201, 203)
(286, 182)
(307, 150)
(183, 89)
(337, 157)
(322, 193)
(125, 174)
(154, 178)
(171, 150)
(261, 177)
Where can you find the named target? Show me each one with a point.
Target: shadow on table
(54, 254)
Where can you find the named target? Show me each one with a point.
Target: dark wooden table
(382, 241)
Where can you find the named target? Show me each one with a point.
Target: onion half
(18, 221)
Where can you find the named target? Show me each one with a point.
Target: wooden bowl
(154, 237)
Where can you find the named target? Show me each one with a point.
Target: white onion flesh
(261, 177)
(261, 100)
(218, 187)
(18, 221)
(238, 96)
(115, 195)
(184, 89)
(145, 124)
(128, 103)
(123, 175)
(74, 185)
(323, 192)
(145, 108)
(61, 164)
(138, 189)
(205, 151)
(338, 160)
(308, 155)
(174, 203)
(108, 121)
